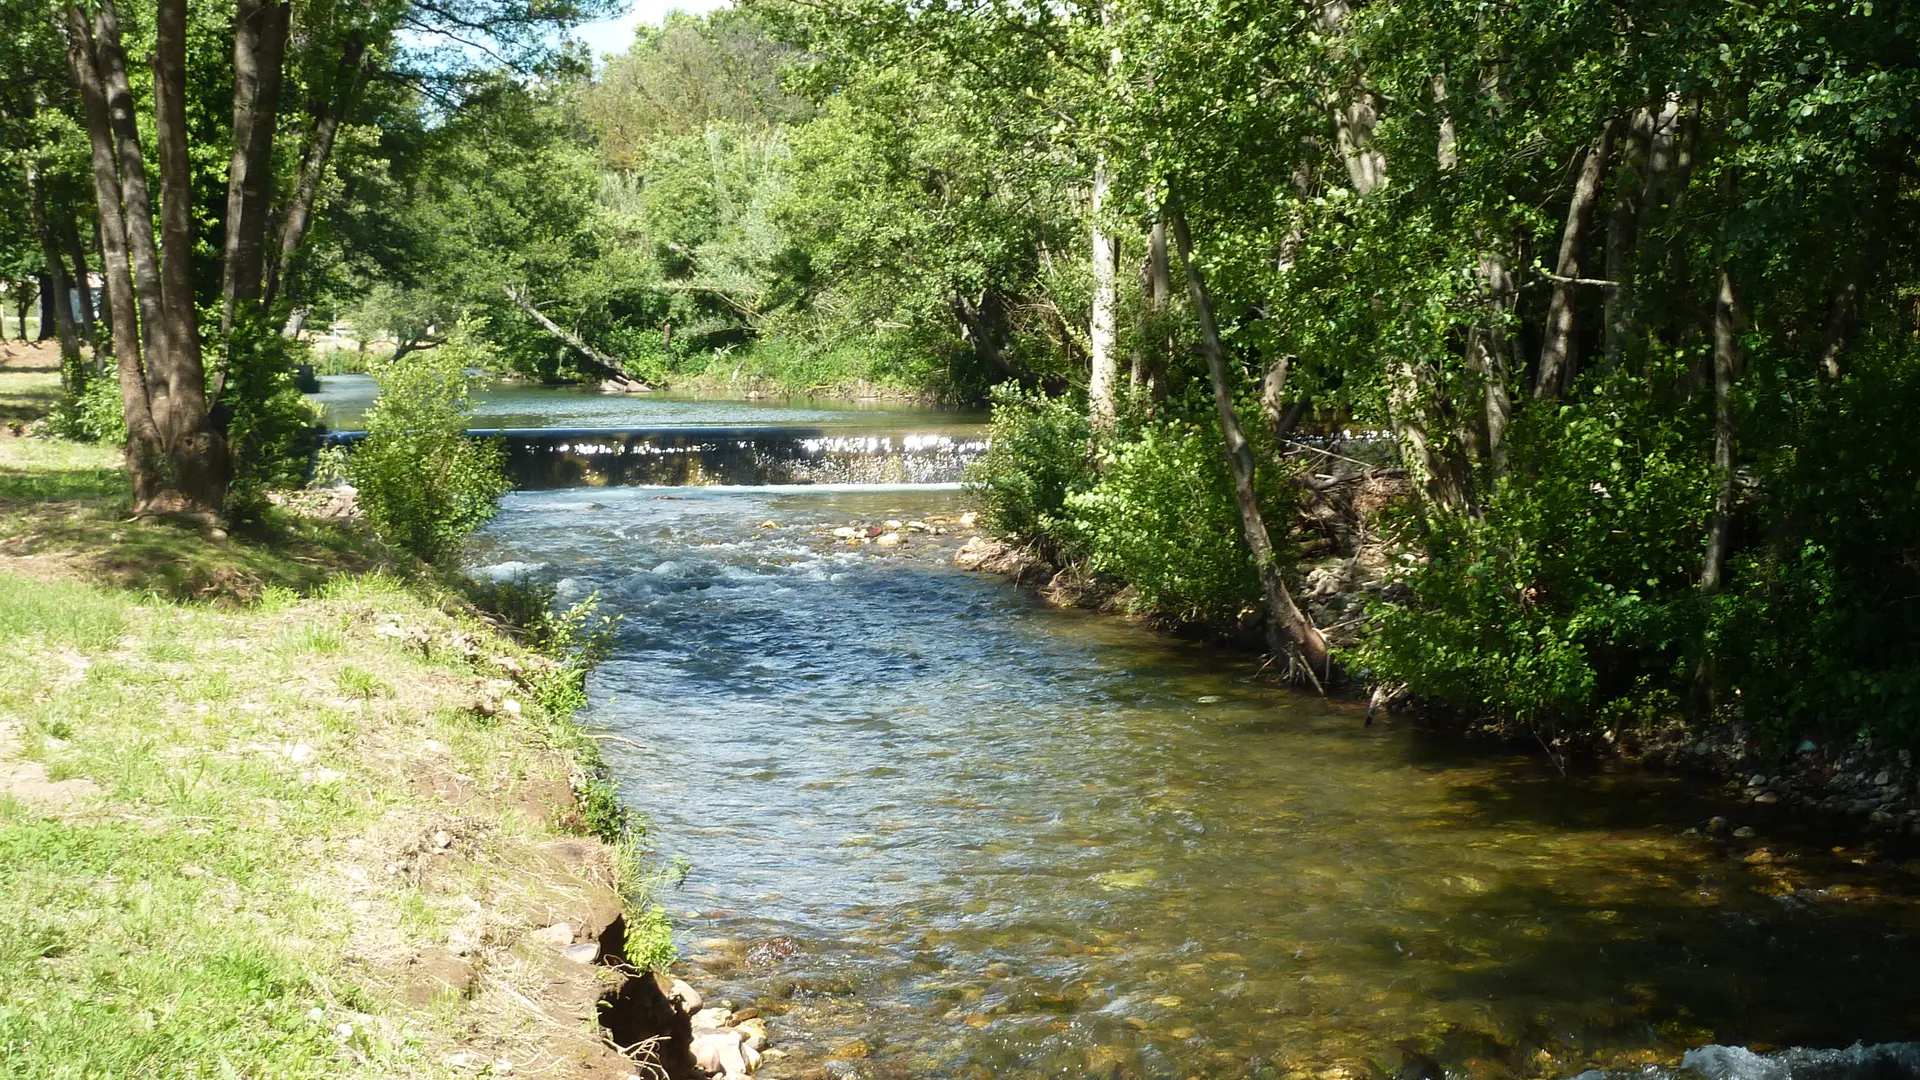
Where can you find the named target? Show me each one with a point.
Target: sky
(614, 35)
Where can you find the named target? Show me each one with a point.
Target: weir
(698, 456)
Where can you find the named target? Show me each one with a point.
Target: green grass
(27, 393)
(68, 502)
(221, 899)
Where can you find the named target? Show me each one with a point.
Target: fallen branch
(607, 364)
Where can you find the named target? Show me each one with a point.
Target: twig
(1562, 279)
(615, 738)
(1328, 453)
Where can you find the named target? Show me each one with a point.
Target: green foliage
(575, 641)
(424, 485)
(93, 415)
(1819, 638)
(1574, 594)
(1162, 517)
(269, 422)
(1038, 455)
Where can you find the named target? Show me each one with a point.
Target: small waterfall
(546, 458)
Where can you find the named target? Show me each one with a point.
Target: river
(1002, 840)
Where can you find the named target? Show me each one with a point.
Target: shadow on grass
(75, 516)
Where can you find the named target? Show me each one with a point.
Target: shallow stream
(933, 828)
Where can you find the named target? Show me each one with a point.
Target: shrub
(424, 485)
(1575, 592)
(93, 414)
(269, 422)
(1818, 629)
(1163, 519)
(1037, 456)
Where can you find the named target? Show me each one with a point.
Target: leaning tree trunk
(327, 116)
(1555, 373)
(1289, 631)
(123, 320)
(606, 365)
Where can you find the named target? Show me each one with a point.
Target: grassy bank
(271, 805)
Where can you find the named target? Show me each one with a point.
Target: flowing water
(933, 828)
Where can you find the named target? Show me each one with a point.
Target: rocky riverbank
(1347, 561)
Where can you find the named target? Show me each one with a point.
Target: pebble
(1744, 832)
(559, 935)
(887, 539)
(1766, 798)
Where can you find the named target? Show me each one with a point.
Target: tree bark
(1103, 325)
(177, 461)
(117, 272)
(1623, 222)
(1289, 631)
(1486, 356)
(1725, 366)
(327, 117)
(605, 364)
(259, 52)
(196, 465)
(1556, 369)
(56, 294)
(1159, 299)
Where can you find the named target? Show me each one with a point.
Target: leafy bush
(424, 485)
(1163, 518)
(1575, 591)
(269, 422)
(1037, 456)
(92, 415)
(1818, 633)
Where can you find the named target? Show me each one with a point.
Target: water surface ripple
(1009, 841)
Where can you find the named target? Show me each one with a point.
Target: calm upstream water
(935, 829)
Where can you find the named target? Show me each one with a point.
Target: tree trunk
(1725, 366)
(117, 272)
(56, 292)
(70, 234)
(1103, 326)
(1486, 356)
(259, 51)
(1839, 323)
(327, 117)
(605, 364)
(177, 461)
(1289, 631)
(1622, 234)
(1159, 299)
(1427, 461)
(1555, 373)
(44, 287)
(197, 467)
